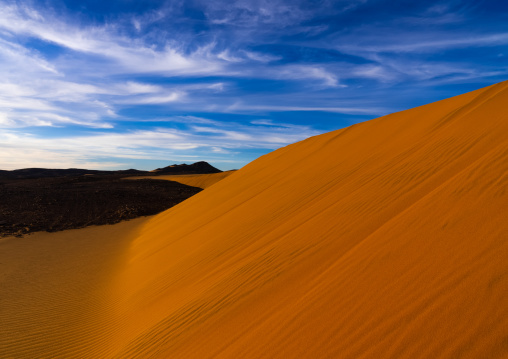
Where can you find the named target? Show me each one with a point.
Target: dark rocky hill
(201, 167)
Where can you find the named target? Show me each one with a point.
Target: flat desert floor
(199, 180)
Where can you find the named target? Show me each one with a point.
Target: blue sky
(141, 84)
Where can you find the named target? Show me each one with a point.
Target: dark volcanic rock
(58, 203)
(195, 168)
(43, 199)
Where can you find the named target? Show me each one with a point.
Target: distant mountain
(201, 167)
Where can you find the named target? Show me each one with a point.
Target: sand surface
(200, 180)
(387, 239)
(55, 291)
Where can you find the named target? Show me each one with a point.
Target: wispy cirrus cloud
(239, 107)
(309, 72)
(415, 43)
(198, 139)
(104, 42)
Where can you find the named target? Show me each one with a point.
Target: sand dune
(199, 180)
(387, 239)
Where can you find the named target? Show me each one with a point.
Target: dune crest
(387, 239)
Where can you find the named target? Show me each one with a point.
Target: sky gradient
(142, 84)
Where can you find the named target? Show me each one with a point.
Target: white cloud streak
(412, 45)
(131, 55)
(208, 136)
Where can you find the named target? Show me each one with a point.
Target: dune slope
(387, 239)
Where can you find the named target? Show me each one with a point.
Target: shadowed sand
(200, 180)
(387, 239)
(55, 290)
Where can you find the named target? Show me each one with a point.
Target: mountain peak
(200, 167)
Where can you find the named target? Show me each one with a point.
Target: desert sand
(198, 180)
(54, 289)
(387, 239)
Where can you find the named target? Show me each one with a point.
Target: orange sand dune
(387, 239)
(201, 180)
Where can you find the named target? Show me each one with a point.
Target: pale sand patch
(200, 181)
